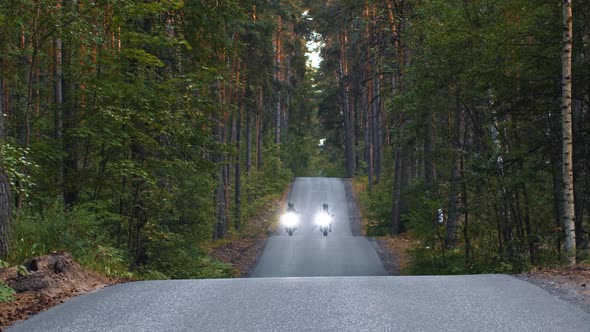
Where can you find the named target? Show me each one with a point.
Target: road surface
(308, 282)
(310, 254)
(441, 303)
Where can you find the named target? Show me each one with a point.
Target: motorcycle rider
(290, 207)
(326, 210)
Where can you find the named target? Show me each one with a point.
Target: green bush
(146, 274)
(172, 256)
(376, 206)
(6, 293)
(106, 260)
(81, 231)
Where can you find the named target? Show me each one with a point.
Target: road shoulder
(570, 285)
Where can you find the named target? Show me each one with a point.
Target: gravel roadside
(571, 285)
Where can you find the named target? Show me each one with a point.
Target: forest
(135, 133)
(466, 124)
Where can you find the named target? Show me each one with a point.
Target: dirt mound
(51, 280)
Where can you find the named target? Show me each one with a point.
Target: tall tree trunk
(346, 109)
(5, 194)
(248, 128)
(58, 100)
(429, 165)
(466, 236)
(221, 216)
(287, 101)
(278, 116)
(396, 206)
(5, 213)
(278, 81)
(57, 88)
(456, 172)
(364, 120)
(557, 198)
(220, 231)
(259, 131)
(396, 16)
(454, 201)
(237, 167)
(70, 164)
(569, 216)
(369, 128)
(531, 238)
(377, 128)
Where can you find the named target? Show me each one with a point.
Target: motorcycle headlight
(323, 219)
(289, 219)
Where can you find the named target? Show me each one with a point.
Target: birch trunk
(568, 217)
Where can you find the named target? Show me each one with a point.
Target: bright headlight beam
(289, 219)
(323, 219)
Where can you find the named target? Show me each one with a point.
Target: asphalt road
(297, 302)
(441, 303)
(308, 253)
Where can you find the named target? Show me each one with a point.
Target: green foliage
(21, 270)
(491, 62)
(80, 231)
(6, 293)
(274, 176)
(15, 161)
(174, 257)
(329, 162)
(106, 260)
(146, 87)
(427, 260)
(376, 206)
(299, 154)
(422, 220)
(23, 250)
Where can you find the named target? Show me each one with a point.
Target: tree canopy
(150, 128)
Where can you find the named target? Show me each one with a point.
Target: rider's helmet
(325, 206)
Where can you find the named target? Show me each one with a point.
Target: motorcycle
(324, 222)
(290, 220)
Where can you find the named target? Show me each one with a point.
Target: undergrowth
(429, 256)
(172, 247)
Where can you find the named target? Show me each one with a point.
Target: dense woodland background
(147, 129)
(452, 110)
